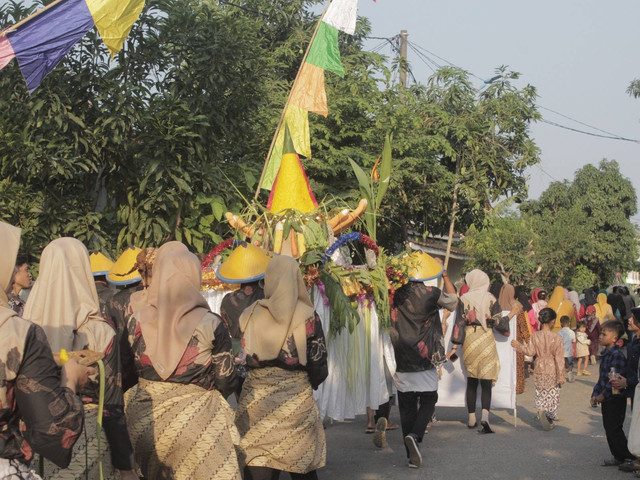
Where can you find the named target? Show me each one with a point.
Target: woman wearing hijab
(64, 302)
(482, 314)
(523, 335)
(39, 410)
(602, 312)
(560, 303)
(181, 426)
(277, 416)
(574, 298)
(538, 302)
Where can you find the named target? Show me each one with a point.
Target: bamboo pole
(454, 212)
(30, 17)
(286, 105)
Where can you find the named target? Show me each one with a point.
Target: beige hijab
(507, 298)
(478, 296)
(64, 301)
(174, 307)
(10, 241)
(268, 323)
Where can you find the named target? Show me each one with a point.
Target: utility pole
(403, 56)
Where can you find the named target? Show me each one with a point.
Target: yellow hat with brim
(100, 264)
(247, 263)
(423, 267)
(123, 272)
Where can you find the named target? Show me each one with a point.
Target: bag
(634, 429)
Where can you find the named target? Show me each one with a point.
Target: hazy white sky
(580, 55)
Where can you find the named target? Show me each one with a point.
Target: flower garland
(215, 251)
(347, 238)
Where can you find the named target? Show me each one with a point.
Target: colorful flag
(291, 188)
(42, 41)
(308, 92)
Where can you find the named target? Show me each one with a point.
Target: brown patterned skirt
(279, 422)
(480, 354)
(181, 432)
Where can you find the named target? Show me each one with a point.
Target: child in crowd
(582, 348)
(568, 339)
(613, 401)
(549, 370)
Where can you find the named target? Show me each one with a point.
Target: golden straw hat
(247, 263)
(124, 271)
(423, 266)
(100, 264)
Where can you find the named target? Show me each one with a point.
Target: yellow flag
(114, 19)
(309, 92)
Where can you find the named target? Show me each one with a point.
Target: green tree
(585, 226)
(634, 88)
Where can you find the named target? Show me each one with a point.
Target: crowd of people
(155, 368)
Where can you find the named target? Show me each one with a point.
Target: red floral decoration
(215, 251)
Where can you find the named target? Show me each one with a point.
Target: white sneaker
(414, 451)
(411, 465)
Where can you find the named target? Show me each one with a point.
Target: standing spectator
(582, 348)
(568, 339)
(549, 370)
(419, 349)
(613, 402)
(628, 379)
(21, 280)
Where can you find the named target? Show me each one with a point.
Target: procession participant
(482, 314)
(550, 367)
(523, 334)
(30, 378)
(277, 416)
(538, 302)
(418, 343)
(560, 303)
(64, 302)
(100, 266)
(181, 426)
(21, 279)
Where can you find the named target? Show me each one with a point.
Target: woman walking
(277, 416)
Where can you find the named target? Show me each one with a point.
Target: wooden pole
(403, 54)
(30, 17)
(284, 110)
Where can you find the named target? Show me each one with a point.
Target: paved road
(571, 451)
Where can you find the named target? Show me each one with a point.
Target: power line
(424, 57)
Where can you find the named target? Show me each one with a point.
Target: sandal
(393, 426)
(611, 462)
(370, 430)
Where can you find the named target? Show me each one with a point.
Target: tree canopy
(158, 143)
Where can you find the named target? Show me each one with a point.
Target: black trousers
(416, 409)
(613, 412)
(382, 411)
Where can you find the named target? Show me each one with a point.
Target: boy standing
(613, 401)
(568, 339)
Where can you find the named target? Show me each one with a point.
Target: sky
(580, 55)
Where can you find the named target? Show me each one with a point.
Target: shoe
(486, 428)
(380, 437)
(611, 462)
(545, 423)
(586, 372)
(414, 451)
(411, 465)
(472, 426)
(628, 466)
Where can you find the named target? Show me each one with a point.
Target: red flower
(25, 448)
(422, 348)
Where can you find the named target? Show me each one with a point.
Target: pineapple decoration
(294, 224)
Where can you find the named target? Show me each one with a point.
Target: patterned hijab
(478, 297)
(268, 324)
(174, 307)
(64, 299)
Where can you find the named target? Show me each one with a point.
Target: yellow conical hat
(124, 271)
(291, 188)
(100, 264)
(247, 263)
(423, 266)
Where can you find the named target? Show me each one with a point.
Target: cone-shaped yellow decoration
(123, 271)
(291, 188)
(423, 266)
(100, 264)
